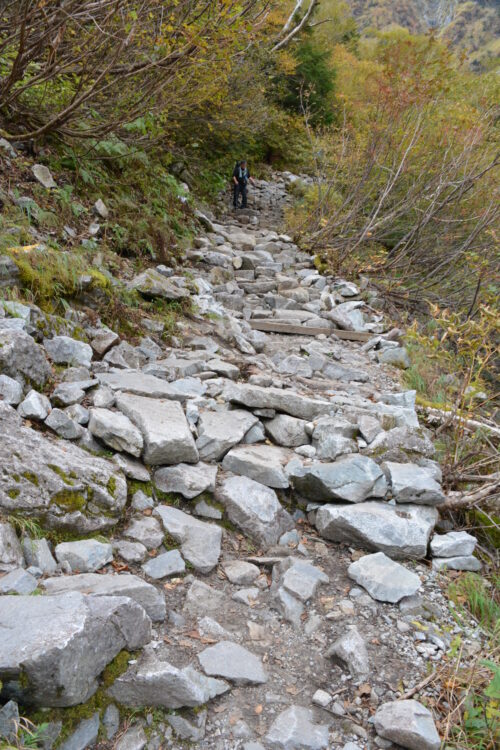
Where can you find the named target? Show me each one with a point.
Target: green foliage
(480, 597)
(311, 86)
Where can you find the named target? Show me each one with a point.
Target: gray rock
(233, 662)
(151, 284)
(11, 555)
(134, 739)
(141, 501)
(35, 406)
(43, 175)
(157, 683)
(401, 531)
(139, 383)
(10, 390)
(295, 729)
(193, 730)
(404, 439)
(350, 652)
(22, 359)
(116, 430)
(240, 572)
(246, 596)
(131, 468)
(84, 736)
(384, 579)
(167, 564)
(66, 394)
(299, 578)
(262, 463)
(78, 414)
(369, 427)
(9, 721)
(101, 209)
(351, 478)
(464, 562)
(287, 431)
(219, 431)
(413, 484)
(124, 356)
(255, 509)
(67, 351)
(396, 357)
(166, 433)
(103, 341)
(66, 487)
(65, 643)
(201, 598)
(37, 553)
(111, 721)
(17, 581)
(84, 556)
(453, 544)
(147, 596)
(289, 606)
(130, 551)
(407, 723)
(145, 530)
(200, 541)
(63, 425)
(256, 397)
(187, 480)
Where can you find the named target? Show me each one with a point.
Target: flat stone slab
(65, 643)
(233, 662)
(200, 541)
(453, 544)
(402, 531)
(384, 579)
(257, 397)
(140, 384)
(17, 581)
(153, 682)
(65, 486)
(413, 484)
(164, 427)
(255, 509)
(296, 729)
(299, 578)
(240, 572)
(407, 723)
(167, 564)
(218, 431)
(188, 480)
(124, 584)
(262, 463)
(464, 562)
(352, 478)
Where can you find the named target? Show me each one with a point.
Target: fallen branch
(418, 687)
(439, 416)
(461, 500)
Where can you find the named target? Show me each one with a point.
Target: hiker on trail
(241, 178)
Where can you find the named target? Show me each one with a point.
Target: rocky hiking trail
(273, 579)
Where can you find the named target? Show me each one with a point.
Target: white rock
(407, 723)
(453, 544)
(84, 556)
(35, 406)
(200, 541)
(232, 662)
(187, 480)
(295, 729)
(384, 579)
(116, 430)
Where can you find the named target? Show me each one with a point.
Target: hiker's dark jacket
(242, 175)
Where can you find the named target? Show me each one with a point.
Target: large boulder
(64, 644)
(219, 430)
(55, 481)
(140, 384)
(200, 541)
(150, 598)
(352, 478)
(22, 359)
(164, 428)
(401, 531)
(255, 509)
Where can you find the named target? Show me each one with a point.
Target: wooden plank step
(279, 326)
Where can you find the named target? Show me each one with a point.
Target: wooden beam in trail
(280, 326)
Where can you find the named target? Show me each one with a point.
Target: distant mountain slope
(473, 27)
